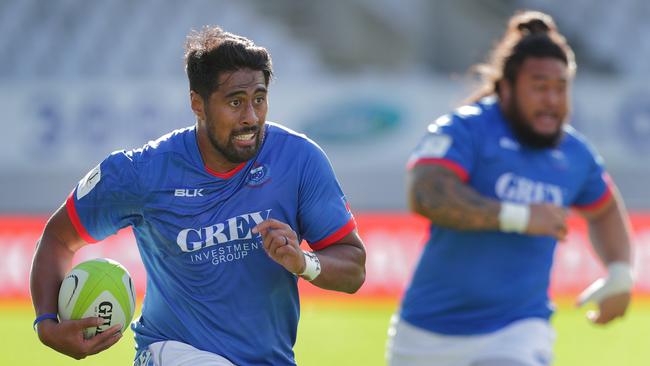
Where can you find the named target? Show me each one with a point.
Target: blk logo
(188, 192)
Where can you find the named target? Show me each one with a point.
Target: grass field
(354, 333)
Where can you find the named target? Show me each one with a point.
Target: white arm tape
(514, 217)
(619, 275)
(312, 266)
(620, 279)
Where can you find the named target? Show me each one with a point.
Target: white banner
(367, 126)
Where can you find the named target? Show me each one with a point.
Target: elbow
(356, 274)
(421, 211)
(360, 276)
(355, 285)
(414, 205)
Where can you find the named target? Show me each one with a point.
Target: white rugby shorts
(173, 353)
(527, 342)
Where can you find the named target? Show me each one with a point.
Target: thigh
(172, 353)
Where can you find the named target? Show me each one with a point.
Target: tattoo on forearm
(437, 193)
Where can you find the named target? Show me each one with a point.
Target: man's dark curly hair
(212, 51)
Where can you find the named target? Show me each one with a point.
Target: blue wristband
(42, 317)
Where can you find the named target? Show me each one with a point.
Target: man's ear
(505, 91)
(198, 105)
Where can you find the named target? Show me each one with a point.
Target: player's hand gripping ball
(98, 288)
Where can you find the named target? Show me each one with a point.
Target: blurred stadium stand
(73, 39)
(81, 39)
(611, 39)
(79, 79)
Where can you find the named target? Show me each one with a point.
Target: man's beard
(525, 132)
(229, 151)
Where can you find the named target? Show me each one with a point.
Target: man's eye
(259, 100)
(539, 87)
(234, 103)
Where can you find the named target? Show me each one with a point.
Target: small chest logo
(260, 174)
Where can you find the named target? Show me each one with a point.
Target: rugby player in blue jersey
(496, 179)
(218, 211)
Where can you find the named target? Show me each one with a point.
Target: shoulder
(167, 153)
(469, 118)
(573, 136)
(577, 143)
(296, 150)
(279, 134)
(172, 144)
(476, 115)
(276, 130)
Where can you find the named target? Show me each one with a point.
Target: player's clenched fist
(68, 337)
(547, 219)
(281, 244)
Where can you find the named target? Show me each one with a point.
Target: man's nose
(249, 116)
(554, 97)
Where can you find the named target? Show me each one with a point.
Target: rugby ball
(98, 288)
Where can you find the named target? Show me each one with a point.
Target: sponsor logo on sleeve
(89, 182)
(434, 146)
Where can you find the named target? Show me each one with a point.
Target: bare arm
(51, 261)
(342, 263)
(610, 236)
(438, 194)
(54, 252)
(609, 231)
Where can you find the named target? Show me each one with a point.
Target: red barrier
(393, 241)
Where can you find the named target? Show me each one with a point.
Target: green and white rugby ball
(99, 287)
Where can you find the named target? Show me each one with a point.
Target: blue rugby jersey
(210, 283)
(474, 282)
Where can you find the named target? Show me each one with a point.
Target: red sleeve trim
(74, 218)
(336, 236)
(449, 164)
(600, 202)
